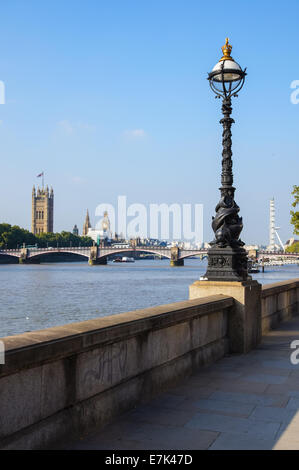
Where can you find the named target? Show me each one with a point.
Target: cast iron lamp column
(227, 259)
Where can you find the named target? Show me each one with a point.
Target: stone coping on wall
(278, 287)
(36, 347)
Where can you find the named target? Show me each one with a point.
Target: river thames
(34, 297)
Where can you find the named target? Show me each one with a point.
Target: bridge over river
(99, 254)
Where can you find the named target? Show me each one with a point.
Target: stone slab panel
(228, 441)
(250, 398)
(218, 423)
(274, 414)
(244, 320)
(20, 400)
(233, 409)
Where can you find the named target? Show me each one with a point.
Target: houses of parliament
(42, 210)
(42, 218)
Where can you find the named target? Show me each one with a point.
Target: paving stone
(252, 398)
(239, 361)
(292, 381)
(280, 364)
(271, 413)
(120, 429)
(189, 392)
(179, 438)
(266, 379)
(160, 416)
(288, 437)
(121, 444)
(285, 388)
(192, 407)
(266, 371)
(221, 367)
(259, 429)
(199, 381)
(241, 402)
(167, 400)
(288, 429)
(222, 374)
(103, 439)
(153, 436)
(227, 441)
(287, 444)
(234, 409)
(293, 404)
(168, 437)
(295, 373)
(238, 386)
(270, 353)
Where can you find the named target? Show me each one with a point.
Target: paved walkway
(241, 402)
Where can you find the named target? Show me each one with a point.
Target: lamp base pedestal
(244, 319)
(227, 264)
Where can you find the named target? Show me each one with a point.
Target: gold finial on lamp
(226, 49)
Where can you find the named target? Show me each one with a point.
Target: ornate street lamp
(227, 259)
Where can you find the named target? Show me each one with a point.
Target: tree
(295, 214)
(63, 239)
(14, 236)
(293, 248)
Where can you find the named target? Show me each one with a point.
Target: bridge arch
(201, 256)
(155, 252)
(8, 258)
(104, 253)
(57, 253)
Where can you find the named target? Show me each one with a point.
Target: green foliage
(62, 239)
(295, 214)
(294, 248)
(14, 237)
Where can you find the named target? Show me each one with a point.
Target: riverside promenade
(248, 402)
(211, 372)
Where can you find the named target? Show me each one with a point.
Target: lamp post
(227, 259)
(227, 271)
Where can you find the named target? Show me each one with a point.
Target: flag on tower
(41, 175)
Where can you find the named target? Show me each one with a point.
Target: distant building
(290, 242)
(102, 234)
(87, 225)
(75, 230)
(251, 247)
(42, 210)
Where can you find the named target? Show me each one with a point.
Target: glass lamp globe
(227, 77)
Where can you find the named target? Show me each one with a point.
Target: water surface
(34, 297)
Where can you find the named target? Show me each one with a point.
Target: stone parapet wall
(280, 302)
(67, 380)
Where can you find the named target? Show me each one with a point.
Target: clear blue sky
(110, 98)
